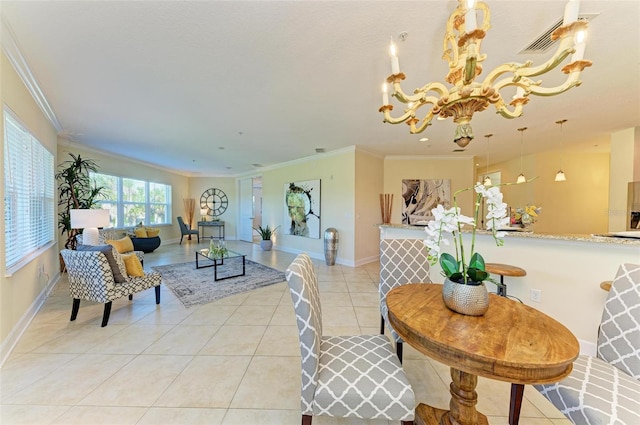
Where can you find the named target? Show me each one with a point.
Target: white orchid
(451, 221)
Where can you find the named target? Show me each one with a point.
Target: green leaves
(475, 272)
(449, 264)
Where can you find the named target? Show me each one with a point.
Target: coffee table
(218, 261)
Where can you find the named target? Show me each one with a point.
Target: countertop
(534, 235)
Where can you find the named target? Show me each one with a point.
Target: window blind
(29, 213)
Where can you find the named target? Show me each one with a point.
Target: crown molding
(11, 48)
(425, 157)
(65, 143)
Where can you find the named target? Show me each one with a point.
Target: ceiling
(225, 88)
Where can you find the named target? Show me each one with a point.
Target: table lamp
(89, 220)
(203, 213)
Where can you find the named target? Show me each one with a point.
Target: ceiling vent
(544, 42)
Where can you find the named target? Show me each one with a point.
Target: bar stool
(517, 390)
(504, 270)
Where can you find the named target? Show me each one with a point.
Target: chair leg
(181, 236)
(130, 297)
(406, 422)
(517, 392)
(158, 294)
(75, 308)
(107, 312)
(399, 351)
(306, 419)
(381, 325)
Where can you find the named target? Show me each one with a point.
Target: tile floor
(233, 362)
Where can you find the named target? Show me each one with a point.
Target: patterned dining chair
(344, 376)
(606, 389)
(402, 261)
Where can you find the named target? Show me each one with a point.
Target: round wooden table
(512, 342)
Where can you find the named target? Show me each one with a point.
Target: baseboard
(14, 336)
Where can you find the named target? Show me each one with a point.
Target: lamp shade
(89, 220)
(560, 177)
(82, 219)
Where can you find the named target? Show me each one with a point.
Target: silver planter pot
(470, 300)
(266, 244)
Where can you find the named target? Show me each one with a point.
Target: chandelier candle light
(462, 42)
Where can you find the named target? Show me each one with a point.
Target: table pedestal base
(428, 415)
(463, 404)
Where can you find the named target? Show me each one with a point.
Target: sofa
(145, 239)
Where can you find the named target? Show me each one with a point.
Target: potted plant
(464, 290)
(266, 233)
(75, 192)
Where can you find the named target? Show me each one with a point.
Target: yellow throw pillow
(133, 265)
(152, 232)
(121, 245)
(140, 232)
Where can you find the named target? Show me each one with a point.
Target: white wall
(369, 183)
(336, 174)
(622, 172)
(22, 293)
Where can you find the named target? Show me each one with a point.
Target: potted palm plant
(76, 191)
(266, 233)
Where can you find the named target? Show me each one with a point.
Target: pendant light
(521, 177)
(560, 177)
(487, 180)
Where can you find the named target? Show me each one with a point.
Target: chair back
(402, 261)
(303, 285)
(183, 227)
(619, 336)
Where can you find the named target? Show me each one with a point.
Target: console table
(219, 225)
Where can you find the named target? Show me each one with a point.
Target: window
(132, 201)
(29, 213)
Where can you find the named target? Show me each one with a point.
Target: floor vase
(470, 300)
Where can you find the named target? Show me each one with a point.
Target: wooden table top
(511, 342)
(505, 269)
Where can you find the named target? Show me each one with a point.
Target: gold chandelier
(467, 96)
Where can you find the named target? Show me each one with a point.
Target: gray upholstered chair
(100, 277)
(185, 230)
(606, 389)
(344, 376)
(402, 261)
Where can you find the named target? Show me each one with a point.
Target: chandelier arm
(565, 48)
(572, 81)
(402, 118)
(503, 109)
(420, 94)
(553, 62)
(426, 122)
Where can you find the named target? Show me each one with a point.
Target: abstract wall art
(419, 197)
(302, 208)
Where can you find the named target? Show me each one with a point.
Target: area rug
(194, 287)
